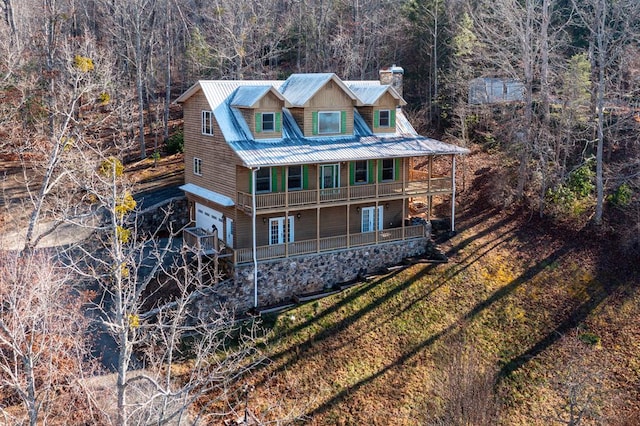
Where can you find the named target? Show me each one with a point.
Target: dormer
(261, 108)
(321, 104)
(377, 106)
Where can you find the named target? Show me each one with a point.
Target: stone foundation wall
(280, 280)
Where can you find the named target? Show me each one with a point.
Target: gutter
(254, 172)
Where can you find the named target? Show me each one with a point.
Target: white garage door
(207, 219)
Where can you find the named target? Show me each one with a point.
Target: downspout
(253, 237)
(453, 194)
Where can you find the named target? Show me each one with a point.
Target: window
(329, 176)
(384, 118)
(197, 166)
(263, 180)
(388, 169)
(207, 122)
(295, 178)
(361, 172)
(329, 122)
(268, 122)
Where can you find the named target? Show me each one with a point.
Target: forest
(87, 91)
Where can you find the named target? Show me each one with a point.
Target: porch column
(406, 163)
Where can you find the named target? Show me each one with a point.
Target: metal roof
(294, 147)
(369, 94)
(248, 96)
(299, 88)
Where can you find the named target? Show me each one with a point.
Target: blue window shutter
(258, 122)
(376, 118)
(314, 122)
(343, 121)
(278, 121)
(392, 118)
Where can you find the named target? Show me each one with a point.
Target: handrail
(320, 245)
(315, 197)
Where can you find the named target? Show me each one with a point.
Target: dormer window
(268, 122)
(384, 118)
(207, 123)
(329, 122)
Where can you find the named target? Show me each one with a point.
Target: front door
(329, 176)
(368, 219)
(278, 231)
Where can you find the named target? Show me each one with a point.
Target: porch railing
(314, 197)
(320, 245)
(199, 240)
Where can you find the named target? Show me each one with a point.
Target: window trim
(197, 166)
(295, 188)
(272, 122)
(366, 172)
(388, 118)
(383, 168)
(263, 178)
(207, 123)
(332, 132)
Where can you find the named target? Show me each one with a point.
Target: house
(490, 90)
(307, 182)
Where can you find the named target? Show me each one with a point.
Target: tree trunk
(601, 56)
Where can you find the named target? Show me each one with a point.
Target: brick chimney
(392, 76)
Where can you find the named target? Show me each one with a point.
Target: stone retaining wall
(280, 280)
(152, 218)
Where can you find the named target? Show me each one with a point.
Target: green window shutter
(274, 179)
(278, 121)
(258, 122)
(379, 170)
(376, 118)
(314, 122)
(352, 173)
(250, 181)
(392, 118)
(372, 171)
(284, 173)
(396, 169)
(343, 121)
(305, 176)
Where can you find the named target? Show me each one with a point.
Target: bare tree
(467, 388)
(611, 25)
(43, 352)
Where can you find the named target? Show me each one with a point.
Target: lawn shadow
(408, 355)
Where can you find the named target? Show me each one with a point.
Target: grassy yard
(521, 317)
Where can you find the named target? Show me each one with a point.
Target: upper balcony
(419, 186)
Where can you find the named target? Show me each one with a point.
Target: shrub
(175, 143)
(621, 197)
